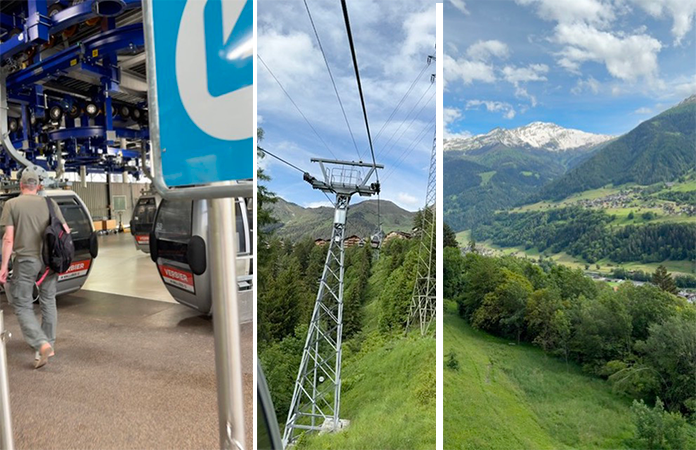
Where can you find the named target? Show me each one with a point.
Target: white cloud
(493, 106)
(681, 11)
(318, 204)
(407, 199)
(517, 75)
(521, 93)
(451, 115)
(259, 119)
(484, 50)
(595, 12)
(590, 84)
(456, 135)
(643, 110)
(467, 71)
(533, 72)
(290, 56)
(625, 57)
(460, 5)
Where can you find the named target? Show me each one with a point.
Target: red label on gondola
(178, 278)
(77, 269)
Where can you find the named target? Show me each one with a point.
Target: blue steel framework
(75, 84)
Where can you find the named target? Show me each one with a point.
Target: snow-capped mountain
(536, 135)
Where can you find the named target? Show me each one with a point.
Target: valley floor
(605, 266)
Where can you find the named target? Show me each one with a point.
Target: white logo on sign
(220, 117)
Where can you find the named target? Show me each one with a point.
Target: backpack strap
(43, 277)
(51, 211)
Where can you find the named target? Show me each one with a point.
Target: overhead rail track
(75, 84)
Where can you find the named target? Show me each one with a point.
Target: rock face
(536, 135)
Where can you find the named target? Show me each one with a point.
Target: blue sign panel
(204, 79)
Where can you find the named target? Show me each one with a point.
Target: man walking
(25, 219)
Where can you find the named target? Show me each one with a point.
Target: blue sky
(601, 66)
(393, 41)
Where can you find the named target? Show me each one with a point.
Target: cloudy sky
(601, 66)
(393, 40)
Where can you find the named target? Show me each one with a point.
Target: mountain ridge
(659, 149)
(295, 221)
(533, 136)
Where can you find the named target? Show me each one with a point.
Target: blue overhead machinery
(73, 82)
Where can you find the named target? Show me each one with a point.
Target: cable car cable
(281, 160)
(408, 153)
(295, 104)
(402, 100)
(316, 34)
(357, 77)
(407, 117)
(408, 126)
(362, 97)
(266, 152)
(410, 148)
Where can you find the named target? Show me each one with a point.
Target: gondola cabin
(143, 219)
(84, 237)
(179, 247)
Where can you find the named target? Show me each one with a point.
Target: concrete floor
(138, 275)
(129, 372)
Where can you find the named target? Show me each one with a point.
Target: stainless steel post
(6, 437)
(228, 356)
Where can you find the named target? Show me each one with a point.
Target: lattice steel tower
(316, 399)
(423, 300)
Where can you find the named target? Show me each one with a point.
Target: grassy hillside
(513, 396)
(389, 396)
(295, 221)
(659, 149)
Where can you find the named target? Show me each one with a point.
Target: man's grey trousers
(20, 294)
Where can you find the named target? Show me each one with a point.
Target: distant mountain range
(296, 222)
(537, 135)
(541, 161)
(660, 149)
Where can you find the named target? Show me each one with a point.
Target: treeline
(290, 273)
(680, 281)
(660, 149)
(686, 197)
(642, 339)
(585, 233)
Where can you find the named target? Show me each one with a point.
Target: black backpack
(58, 248)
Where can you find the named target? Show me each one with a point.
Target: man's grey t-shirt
(29, 216)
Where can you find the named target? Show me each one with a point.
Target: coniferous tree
(663, 279)
(448, 236)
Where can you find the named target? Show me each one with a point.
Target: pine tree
(663, 279)
(449, 238)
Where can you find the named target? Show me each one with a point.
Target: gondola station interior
(134, 363)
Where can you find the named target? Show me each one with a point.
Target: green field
(486, 177)
(638, 207)
(463, 237)
(605, 266)
(389, 397)
(515, 397)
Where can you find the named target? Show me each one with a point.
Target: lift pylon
(423, 300)
(316, 398)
